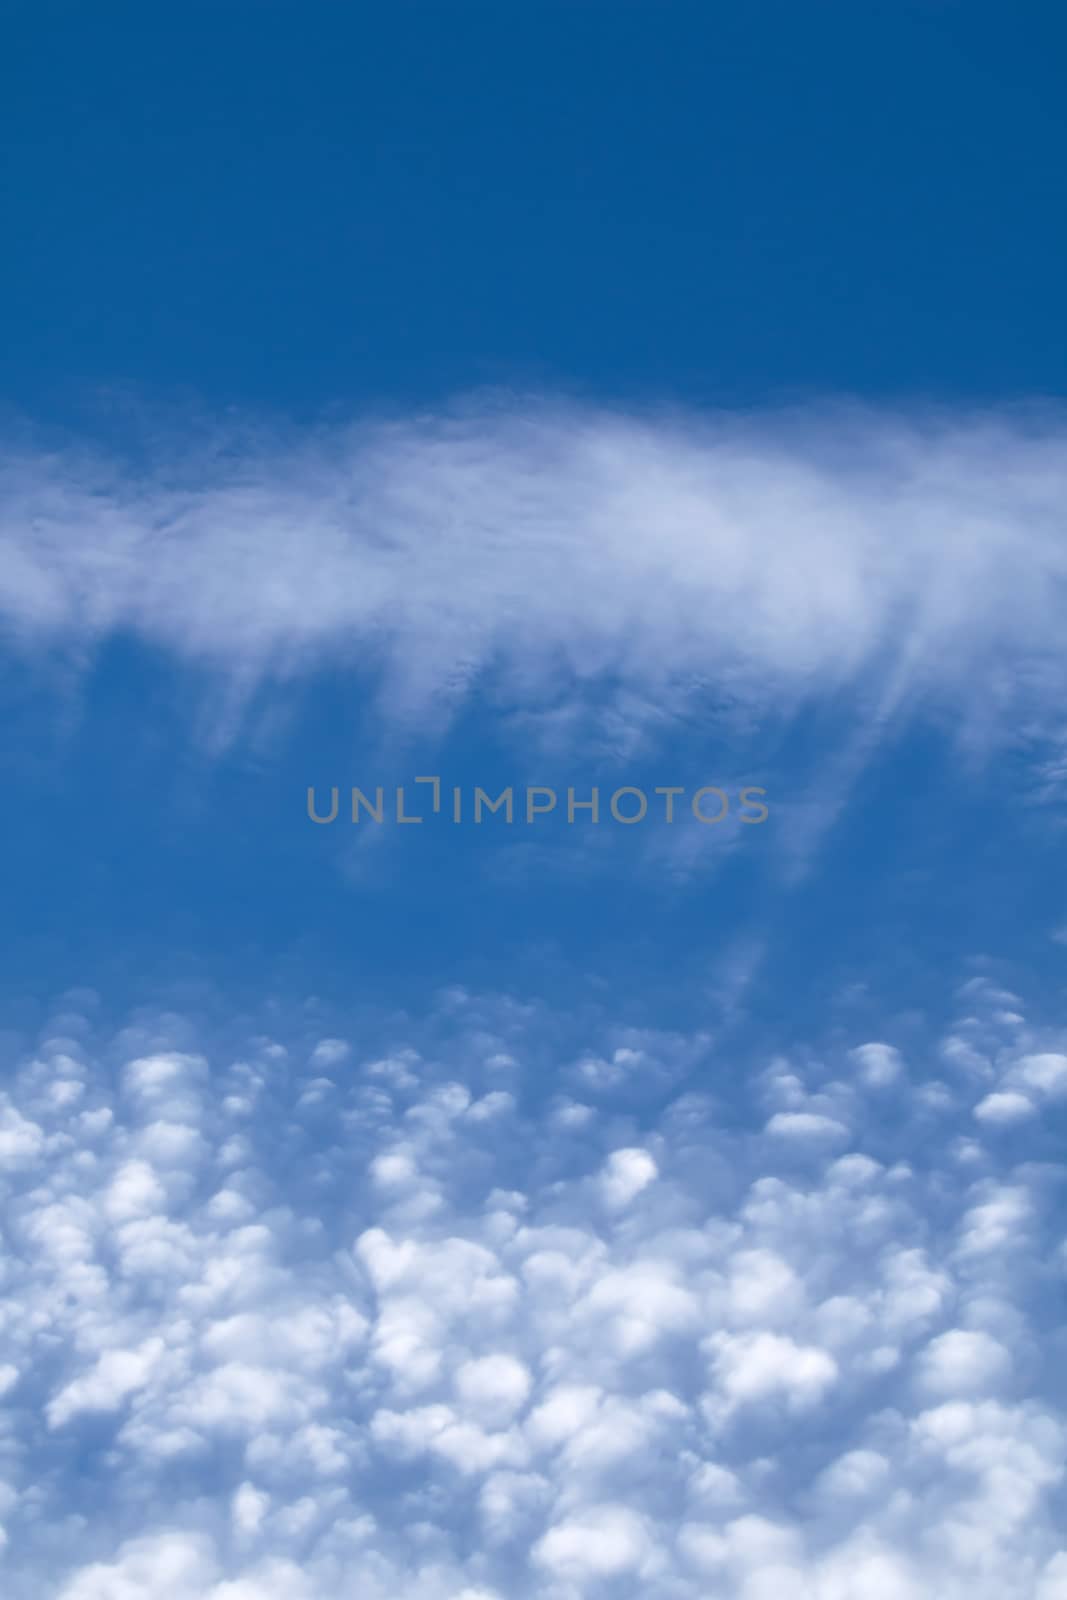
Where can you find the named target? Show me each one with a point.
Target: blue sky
(560, 397)
(232, 206)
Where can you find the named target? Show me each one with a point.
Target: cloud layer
(299, 1318)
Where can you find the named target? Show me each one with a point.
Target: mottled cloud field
(297, 1319)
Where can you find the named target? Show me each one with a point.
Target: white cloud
(493, 1388)
(755, 1367)
(856, 1473)
(601, 1542)
(171, 1566)
(250, 1506)
(1005, 1107)
(806, 1125)
(21, 1141)
(879, 1064)
(963, 1362)
(116, 1374)
(626, 1173)
(1046, 1071)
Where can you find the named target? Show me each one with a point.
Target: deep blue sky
(318, 212)
(299, 209)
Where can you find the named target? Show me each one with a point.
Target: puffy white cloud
(601, 1542)
(963, 1361)
(565, 1410)
(1045, 1071)
(493, 1387)
(754, 1367)
(626, 1173)
(21, 1141)
(857, 1473)
(173, 1566)
(1004, 1107)
(115, 1374)
(250, 1505)
(806, 1125)
(879, 1064)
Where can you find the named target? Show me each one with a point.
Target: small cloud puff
(625, 1175)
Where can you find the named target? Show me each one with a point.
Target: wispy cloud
(560, 555)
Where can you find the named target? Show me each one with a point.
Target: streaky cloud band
(541, 546)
